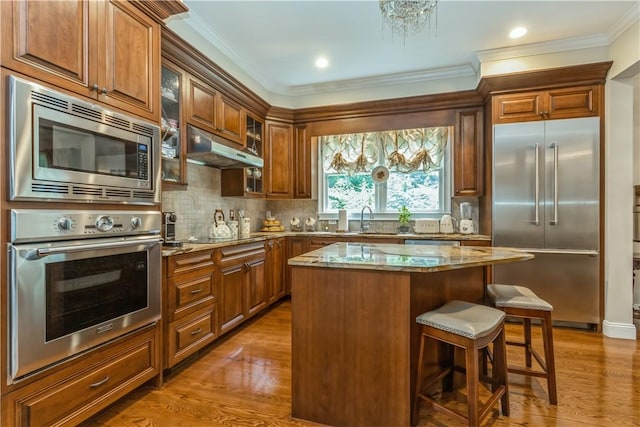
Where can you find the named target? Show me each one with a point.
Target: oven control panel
(44, 225)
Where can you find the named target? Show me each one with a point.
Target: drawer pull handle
(196, 332)
(99, 383)
(196, 291)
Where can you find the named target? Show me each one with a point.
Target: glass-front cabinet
(247, 182)
(172, 126)
(254, 144)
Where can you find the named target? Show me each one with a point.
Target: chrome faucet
(364, 227)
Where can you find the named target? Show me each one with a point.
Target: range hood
(204, 149)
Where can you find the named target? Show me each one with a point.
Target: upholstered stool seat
(471, 327)
(521, 302)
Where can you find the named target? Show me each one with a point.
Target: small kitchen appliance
(446, 224)
(466, 223)
(426, 226)
(169, 220)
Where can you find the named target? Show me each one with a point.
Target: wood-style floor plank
(245, 380)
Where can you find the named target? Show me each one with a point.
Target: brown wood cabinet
(279, 154)
(559, 103)
(106, 50)
(172, 125)
(87, 385)
(303, 155)
(242, 283)
(209, 110)
(468, 153)
(190, 315)
(275, 269)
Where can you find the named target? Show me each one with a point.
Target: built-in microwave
(62, 148)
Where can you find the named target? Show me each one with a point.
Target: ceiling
(275, 43)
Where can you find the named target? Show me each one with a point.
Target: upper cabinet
(561, 103)
(468, 153)
(279, 170)
(105, 50)
(303, 163)
(172, 125)
(247, 182)
(215, 113)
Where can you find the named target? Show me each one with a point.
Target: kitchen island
(354, 335)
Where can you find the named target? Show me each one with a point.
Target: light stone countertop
(406, 258)
(262, 236)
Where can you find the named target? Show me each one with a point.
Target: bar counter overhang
(354, 335)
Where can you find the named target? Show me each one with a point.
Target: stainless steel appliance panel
(518, 174)
(63, 148)
(568, 281)
(572, 183)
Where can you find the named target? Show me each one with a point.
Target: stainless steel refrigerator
(546, 200)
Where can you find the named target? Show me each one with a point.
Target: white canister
(233, 227)
(245, 227)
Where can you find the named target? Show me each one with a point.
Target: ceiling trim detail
(531, 49)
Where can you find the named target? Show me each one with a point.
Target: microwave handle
(43, 252)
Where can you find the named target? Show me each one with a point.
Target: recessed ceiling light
(518, 32)
(322, 62)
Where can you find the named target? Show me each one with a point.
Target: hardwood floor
(245, 381)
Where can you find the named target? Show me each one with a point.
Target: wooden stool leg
(527, 341)
(473, 379)
(416, 400)
(500, 368)
(549, 358)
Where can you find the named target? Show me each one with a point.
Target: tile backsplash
(196, 205)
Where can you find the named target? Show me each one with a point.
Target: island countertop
(406, 258)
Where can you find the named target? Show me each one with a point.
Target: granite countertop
(189, 246)
(406, 258)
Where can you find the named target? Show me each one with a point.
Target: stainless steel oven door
(67, 297)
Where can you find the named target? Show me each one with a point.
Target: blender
(466, 223)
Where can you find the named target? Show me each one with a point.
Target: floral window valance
(404, 150)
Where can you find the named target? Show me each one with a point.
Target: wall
(620, 131)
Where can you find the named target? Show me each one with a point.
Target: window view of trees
(419, 191)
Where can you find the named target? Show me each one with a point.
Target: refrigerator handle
(536, 221)
(554, 221)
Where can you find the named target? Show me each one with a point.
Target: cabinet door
(279, 160)
(231, 123)
(172, 126)
(295, 246)
(257, 289)
(277, 273)
(48, 40)
(232, 286)
(518, 107)
(468, 154)
(201, 105)
(129, 59)
(303, 153)
(580, 101)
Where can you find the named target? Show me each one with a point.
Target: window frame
(380, 200)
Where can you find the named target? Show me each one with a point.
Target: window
(386, 170)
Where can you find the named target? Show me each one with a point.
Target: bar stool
(471, 327)
(522, 302)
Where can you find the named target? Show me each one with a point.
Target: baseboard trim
(625, 331)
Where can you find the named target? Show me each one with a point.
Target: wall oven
(78, 279)
(62, 148)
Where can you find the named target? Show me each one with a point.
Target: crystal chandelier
(407, 16)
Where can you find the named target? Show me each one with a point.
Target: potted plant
(403, 218)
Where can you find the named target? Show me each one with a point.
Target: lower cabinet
(243, 290)
(275, 269)
(189, 315)
(88, 385)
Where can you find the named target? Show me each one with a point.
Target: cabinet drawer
(66, 402)
(190, 334)
(232, 255)
(192, 261)
(185, 295)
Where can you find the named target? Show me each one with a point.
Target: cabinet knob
(95, 87)
(104, 91)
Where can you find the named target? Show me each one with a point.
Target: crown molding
(563, 45)
(452, 72)
(623, 24)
